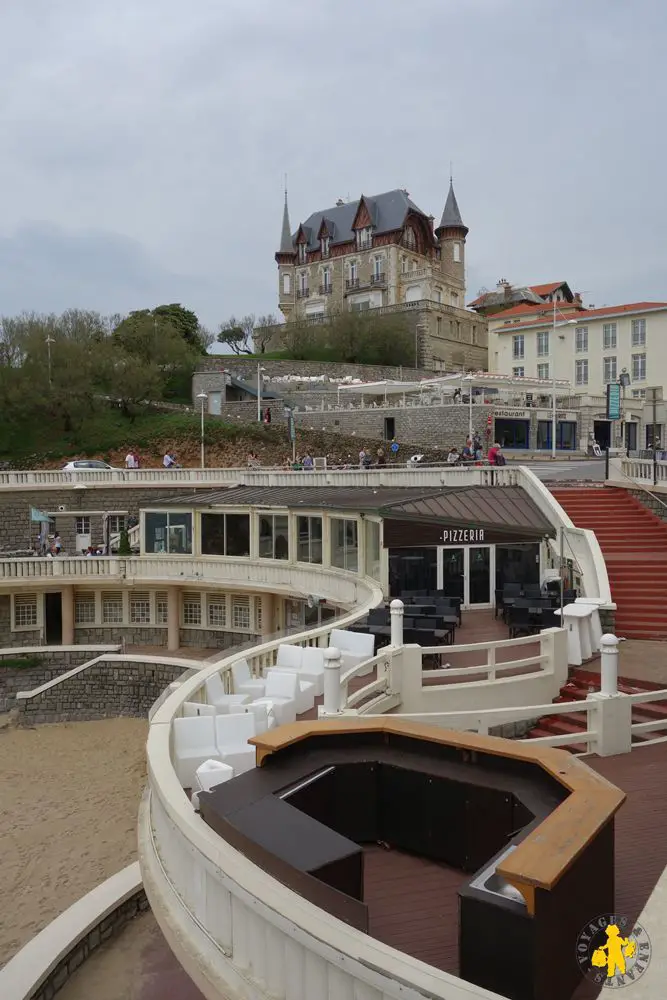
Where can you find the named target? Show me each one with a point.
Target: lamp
(202, 396)
(566, 322)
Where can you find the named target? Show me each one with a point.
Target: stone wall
(108, 928)
(33, 637)
(134, 635)
(423, 426)
(106, 690)
(16, 531)
(651, 502)
(52, 663)
(246, 370)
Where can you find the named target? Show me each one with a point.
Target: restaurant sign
(457, 536)
(512, 414)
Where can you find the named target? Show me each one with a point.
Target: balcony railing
(326, 289)
(379, 279)
(303, 293)
(351, 283)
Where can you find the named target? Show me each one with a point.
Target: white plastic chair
(193, 743)
(355, 647)
(244, 682)
(207, 776)
(305, 695)
(232, 733)
(280, 694)
(289, 657)
(312, 667)
(215, 695)
(192, 709)
(263, 712)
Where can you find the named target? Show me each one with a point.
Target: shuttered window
(161, 608)
(191, 609)
(112, 607)
(241, 612)
(84, 609)
(217, 611)
(140, 608)
(25, 610)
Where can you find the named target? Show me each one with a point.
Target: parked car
(87, 465)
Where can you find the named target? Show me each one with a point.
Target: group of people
(474, 452)
(132, 460)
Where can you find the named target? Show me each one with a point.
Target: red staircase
(579, 685)
(634, 546)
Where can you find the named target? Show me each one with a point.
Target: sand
(69, 796)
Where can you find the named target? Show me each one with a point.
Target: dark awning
(501, 509)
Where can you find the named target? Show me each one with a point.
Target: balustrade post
(609, 665)
(396, 612)
(332, 669)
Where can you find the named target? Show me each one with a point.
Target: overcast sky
(144, 142)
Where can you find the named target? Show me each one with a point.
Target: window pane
(213, 534)
(351, 547)
(316, 539)
(373, 549)
(266, 538)
(238, 535)
(180, 534)
(156, 532)
(281, 543)
(338, 543)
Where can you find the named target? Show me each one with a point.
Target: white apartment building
(590, 348)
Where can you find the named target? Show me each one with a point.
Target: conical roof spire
(286, 245)
(451, 216)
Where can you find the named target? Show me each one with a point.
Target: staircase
(579, 685)
(634, 545)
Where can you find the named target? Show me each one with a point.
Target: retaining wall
(52, 663)
(106, 690)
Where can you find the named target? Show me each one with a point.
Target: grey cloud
(152, 140)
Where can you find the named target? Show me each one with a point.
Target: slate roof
(388, 212)
(504, 508)
(451, 216)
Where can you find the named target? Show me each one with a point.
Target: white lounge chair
(312, 667)
(244, 682)
(191, 709)
(264, 716)
(293, 659)
(193, 743)
(232, 733)
(215, 695)
(281, 694)
(289, 657)
(355, 647)
(305, 695)
(207, 776)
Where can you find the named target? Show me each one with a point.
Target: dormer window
(364, 237)
(325, 243)
(301, 252)
(409, 238)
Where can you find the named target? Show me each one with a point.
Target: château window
(457, 253)
(286, 284)
(302, 253)
(364, 237)
(409, 238)
(303, 282)
(377, 268)
(354, 273)
(325, 246)
(326, 279)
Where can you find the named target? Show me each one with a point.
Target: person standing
(129, 460)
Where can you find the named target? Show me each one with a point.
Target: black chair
(521, 622)
(511, 590)
(448, 608)
(550, 619)
(532, 590)
(422, 609)
(569, 596)
(378, 616)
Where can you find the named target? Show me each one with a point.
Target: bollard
(396, 611)
(332, 666)
(609, 665)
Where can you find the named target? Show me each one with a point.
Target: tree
(355, 337)
(124, 547)
(238, 334)
(265, 332)
(184, 321)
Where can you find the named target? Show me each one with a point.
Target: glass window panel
(237, 528)
(213, 534)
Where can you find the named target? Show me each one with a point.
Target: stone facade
(109, 927)
(106, 690)
(16, 531)
(52, 663)
(134, 635)
(31, 637)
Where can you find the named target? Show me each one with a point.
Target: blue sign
(613, 401)
(292, 428)
(394, 447)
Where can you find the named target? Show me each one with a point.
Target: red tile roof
(535, 309)
(547, 289)
(584, 315)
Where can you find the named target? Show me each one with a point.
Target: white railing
(490, 669)
(230, 923)
(657, 725)
(643, 471)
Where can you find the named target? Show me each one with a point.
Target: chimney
(577, 300)
(340, 203)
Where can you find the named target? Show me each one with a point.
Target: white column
(67, 613)
(173, 619)
(396, 612)
(609, 665)
(332, 667)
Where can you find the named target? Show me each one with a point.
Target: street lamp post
(259, 391)
(203, 396)
(555, 326)
(49, 340)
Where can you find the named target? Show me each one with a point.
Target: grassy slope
(108, 435)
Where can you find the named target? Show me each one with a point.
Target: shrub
(124, 548)
(20, 662)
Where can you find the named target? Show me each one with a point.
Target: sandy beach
(69, 797)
